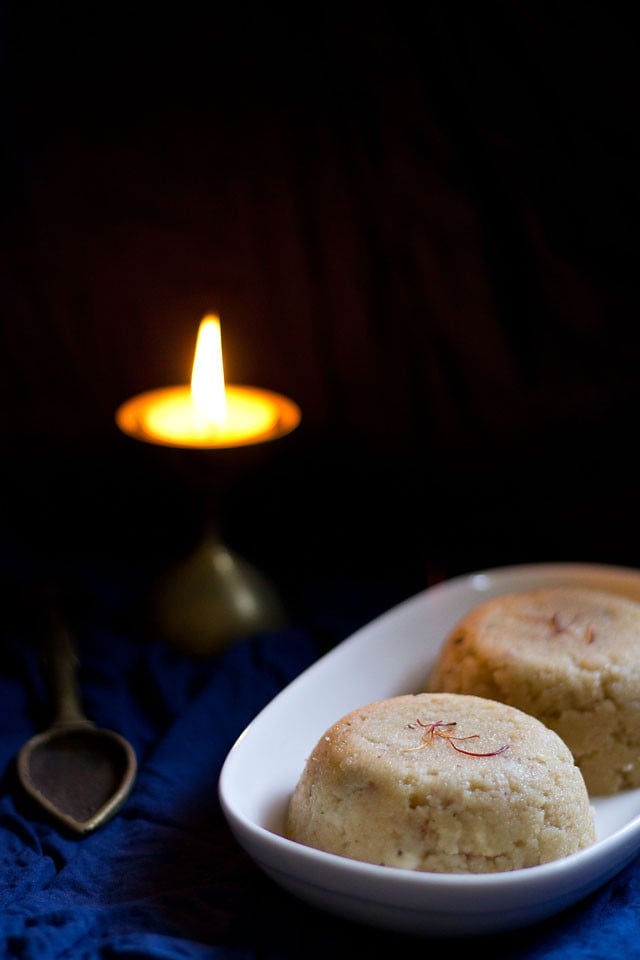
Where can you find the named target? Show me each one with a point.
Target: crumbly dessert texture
(442, 782)
(569, 656)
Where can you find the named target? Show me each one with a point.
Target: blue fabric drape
(164, 879)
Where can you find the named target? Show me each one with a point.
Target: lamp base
(211, 598)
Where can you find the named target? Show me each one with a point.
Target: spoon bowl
(79, 773)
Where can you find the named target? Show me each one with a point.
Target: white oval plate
(389, 656)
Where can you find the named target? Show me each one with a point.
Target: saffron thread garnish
(557, 626)
(439, 728)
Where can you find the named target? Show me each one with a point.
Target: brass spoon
(79, 773)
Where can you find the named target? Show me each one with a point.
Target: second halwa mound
(569, 656)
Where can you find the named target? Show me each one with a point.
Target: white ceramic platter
(390, 656)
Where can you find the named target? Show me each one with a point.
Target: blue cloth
(164, 878)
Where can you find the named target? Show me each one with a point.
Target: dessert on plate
(441, 782)
(569, 656)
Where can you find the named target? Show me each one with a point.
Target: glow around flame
(207, 376)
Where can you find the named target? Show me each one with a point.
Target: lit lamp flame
(209, 413)
(207, 377)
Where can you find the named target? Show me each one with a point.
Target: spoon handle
(62, 663)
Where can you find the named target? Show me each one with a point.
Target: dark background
(421, 226)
